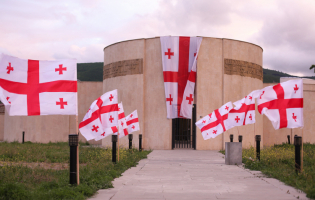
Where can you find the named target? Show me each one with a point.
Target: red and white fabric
(244, 111)
(35, 87)
(101, 119)
(122, 123)
(214, 124)
(5, 100)
(283, 104)
(188, 97)
(178, 56)
(133, 122)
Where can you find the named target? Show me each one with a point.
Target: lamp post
(73, 143)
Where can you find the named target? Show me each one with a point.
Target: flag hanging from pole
(122, 124)
(36, 87)
(101, 119)
(214, 124)
(178, 56)
(283, 104)
(133, 122)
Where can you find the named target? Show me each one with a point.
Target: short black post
(23, 134)
(73, 143)
(140, 142)
(288, 136)
(240, 138)
(114, 140)
(297, 144)
(130, 137)
(231, 138)
(258, 139)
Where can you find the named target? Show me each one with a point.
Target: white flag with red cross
(101, 119)
(35, 87)
(4, 100)
(122, 124)
(188, 98)
(133, 122)
(283, 104)
(178, 56)
(244, 111)
(214, 124)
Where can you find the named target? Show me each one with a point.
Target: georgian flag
(214, 124)
(133, 122)
(102, 117)
(178, 56)
(186, 108)
(283, 104)
(36, 87)
(244, 111)
(122, 123)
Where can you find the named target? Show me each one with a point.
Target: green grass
(97, 171)
(278, 162)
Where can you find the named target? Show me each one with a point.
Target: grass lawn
(278, 162)
(41, 171)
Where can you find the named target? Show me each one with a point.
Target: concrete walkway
(189, 174)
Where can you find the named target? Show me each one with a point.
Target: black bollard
(297, 144)
(140, 142)
(231, 138)
(258, 139)
(130, 137)
(288, 136)
(114, 140)
(73, 143)
(240, 138)
(23, 137)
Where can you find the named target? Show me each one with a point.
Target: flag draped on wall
(35, 87)
(133, 122)
(178, 57)
(101, 120)
(283, 104)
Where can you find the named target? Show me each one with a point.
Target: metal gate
(183, 135)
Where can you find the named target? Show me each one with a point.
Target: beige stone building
(227, 70)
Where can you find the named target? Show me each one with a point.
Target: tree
(313, 66)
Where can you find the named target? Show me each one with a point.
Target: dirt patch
(55, 166)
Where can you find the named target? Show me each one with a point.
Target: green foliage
(278, 162)
(90, 71)
(96, 171)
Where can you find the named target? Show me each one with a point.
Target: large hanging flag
(178, 56)
(122, 124)
(214, 124)
(35, 87)
(283, 104)
(244, 111)
(101, 119)
(188, 98)
(133, 122)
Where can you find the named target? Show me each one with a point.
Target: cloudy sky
(48, 30)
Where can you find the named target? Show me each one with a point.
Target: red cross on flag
(133, 122)
(33, 87)
(178, 56)
(122, 123)
(244, 111)
(103, 113)
(283, 104)
(215, 123)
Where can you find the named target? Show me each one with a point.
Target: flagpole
(77, 131)
(118, 144)
(302, 150)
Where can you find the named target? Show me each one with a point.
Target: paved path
(189, 174)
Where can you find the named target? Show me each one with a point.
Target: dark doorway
(184, 132)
